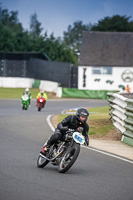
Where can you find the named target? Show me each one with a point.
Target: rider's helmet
(42, 92)
(82, 112)
(27, 90)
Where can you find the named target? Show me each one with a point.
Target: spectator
(127, 88)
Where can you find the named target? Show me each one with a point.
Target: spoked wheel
(69, 158)
(42, 162)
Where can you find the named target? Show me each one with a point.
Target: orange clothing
(127, 89)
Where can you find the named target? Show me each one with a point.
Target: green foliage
(10, 20)
(35, 26)
(72, 37)
(7, 38)
(116, 23)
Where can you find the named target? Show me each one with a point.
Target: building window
(101, 70)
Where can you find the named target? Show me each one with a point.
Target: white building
(106, 61)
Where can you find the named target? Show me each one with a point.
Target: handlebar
(70, 131)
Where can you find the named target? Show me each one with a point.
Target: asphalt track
(94, 176)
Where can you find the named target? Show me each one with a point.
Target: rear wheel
(42, 162)
(69, 158)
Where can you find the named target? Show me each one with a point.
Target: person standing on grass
(127, 88)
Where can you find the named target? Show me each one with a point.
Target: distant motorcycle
(64, 153)
(25, 101)
(40, 103)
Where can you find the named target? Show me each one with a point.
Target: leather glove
(86, 141)
(80, 129)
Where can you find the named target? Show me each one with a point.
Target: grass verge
(16, 93)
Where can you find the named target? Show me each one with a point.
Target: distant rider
(42, 94)
(76, 122)
(27, 92)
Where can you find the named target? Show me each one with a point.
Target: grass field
(16, 93)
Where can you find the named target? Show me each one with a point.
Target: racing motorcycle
(64, 153)
(25, 101)
(40, 103)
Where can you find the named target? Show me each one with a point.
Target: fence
(121, 112)
(89, 94)
(37, 66)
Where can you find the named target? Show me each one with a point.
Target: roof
(106, 49)
(23, 55)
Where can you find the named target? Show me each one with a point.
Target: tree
(57, 50)
(7, 38)
(116, 23)
(10, 20)
(23, 42)
(72, 37)
(35, 26)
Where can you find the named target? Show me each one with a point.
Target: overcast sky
(56, 15)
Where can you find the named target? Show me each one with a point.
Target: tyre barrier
(121, 112)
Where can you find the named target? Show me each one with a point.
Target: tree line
(13, 37)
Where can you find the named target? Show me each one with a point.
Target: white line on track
(90, 148)
(108, 154)
(49, 122)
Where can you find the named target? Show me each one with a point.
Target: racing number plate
(78, 137)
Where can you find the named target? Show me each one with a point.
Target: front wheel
(23, 107)
(39, 107)
(69, 158)
(42, 162)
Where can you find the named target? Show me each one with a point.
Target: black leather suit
(70, 122)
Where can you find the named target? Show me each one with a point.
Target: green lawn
(100, 123)
(15, 93)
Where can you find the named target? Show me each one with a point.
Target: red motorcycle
(40, 103)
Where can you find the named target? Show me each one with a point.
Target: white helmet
(41, 91)
(27, 90)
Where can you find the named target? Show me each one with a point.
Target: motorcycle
(40, 103)
(25, 101)
(64, 153)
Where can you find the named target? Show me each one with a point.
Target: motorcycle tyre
(43, 164)
(39, 107)
(23, 107)
(76, 148)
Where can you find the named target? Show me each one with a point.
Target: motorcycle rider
(27, 92)
(76, 122)
(42, 94)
